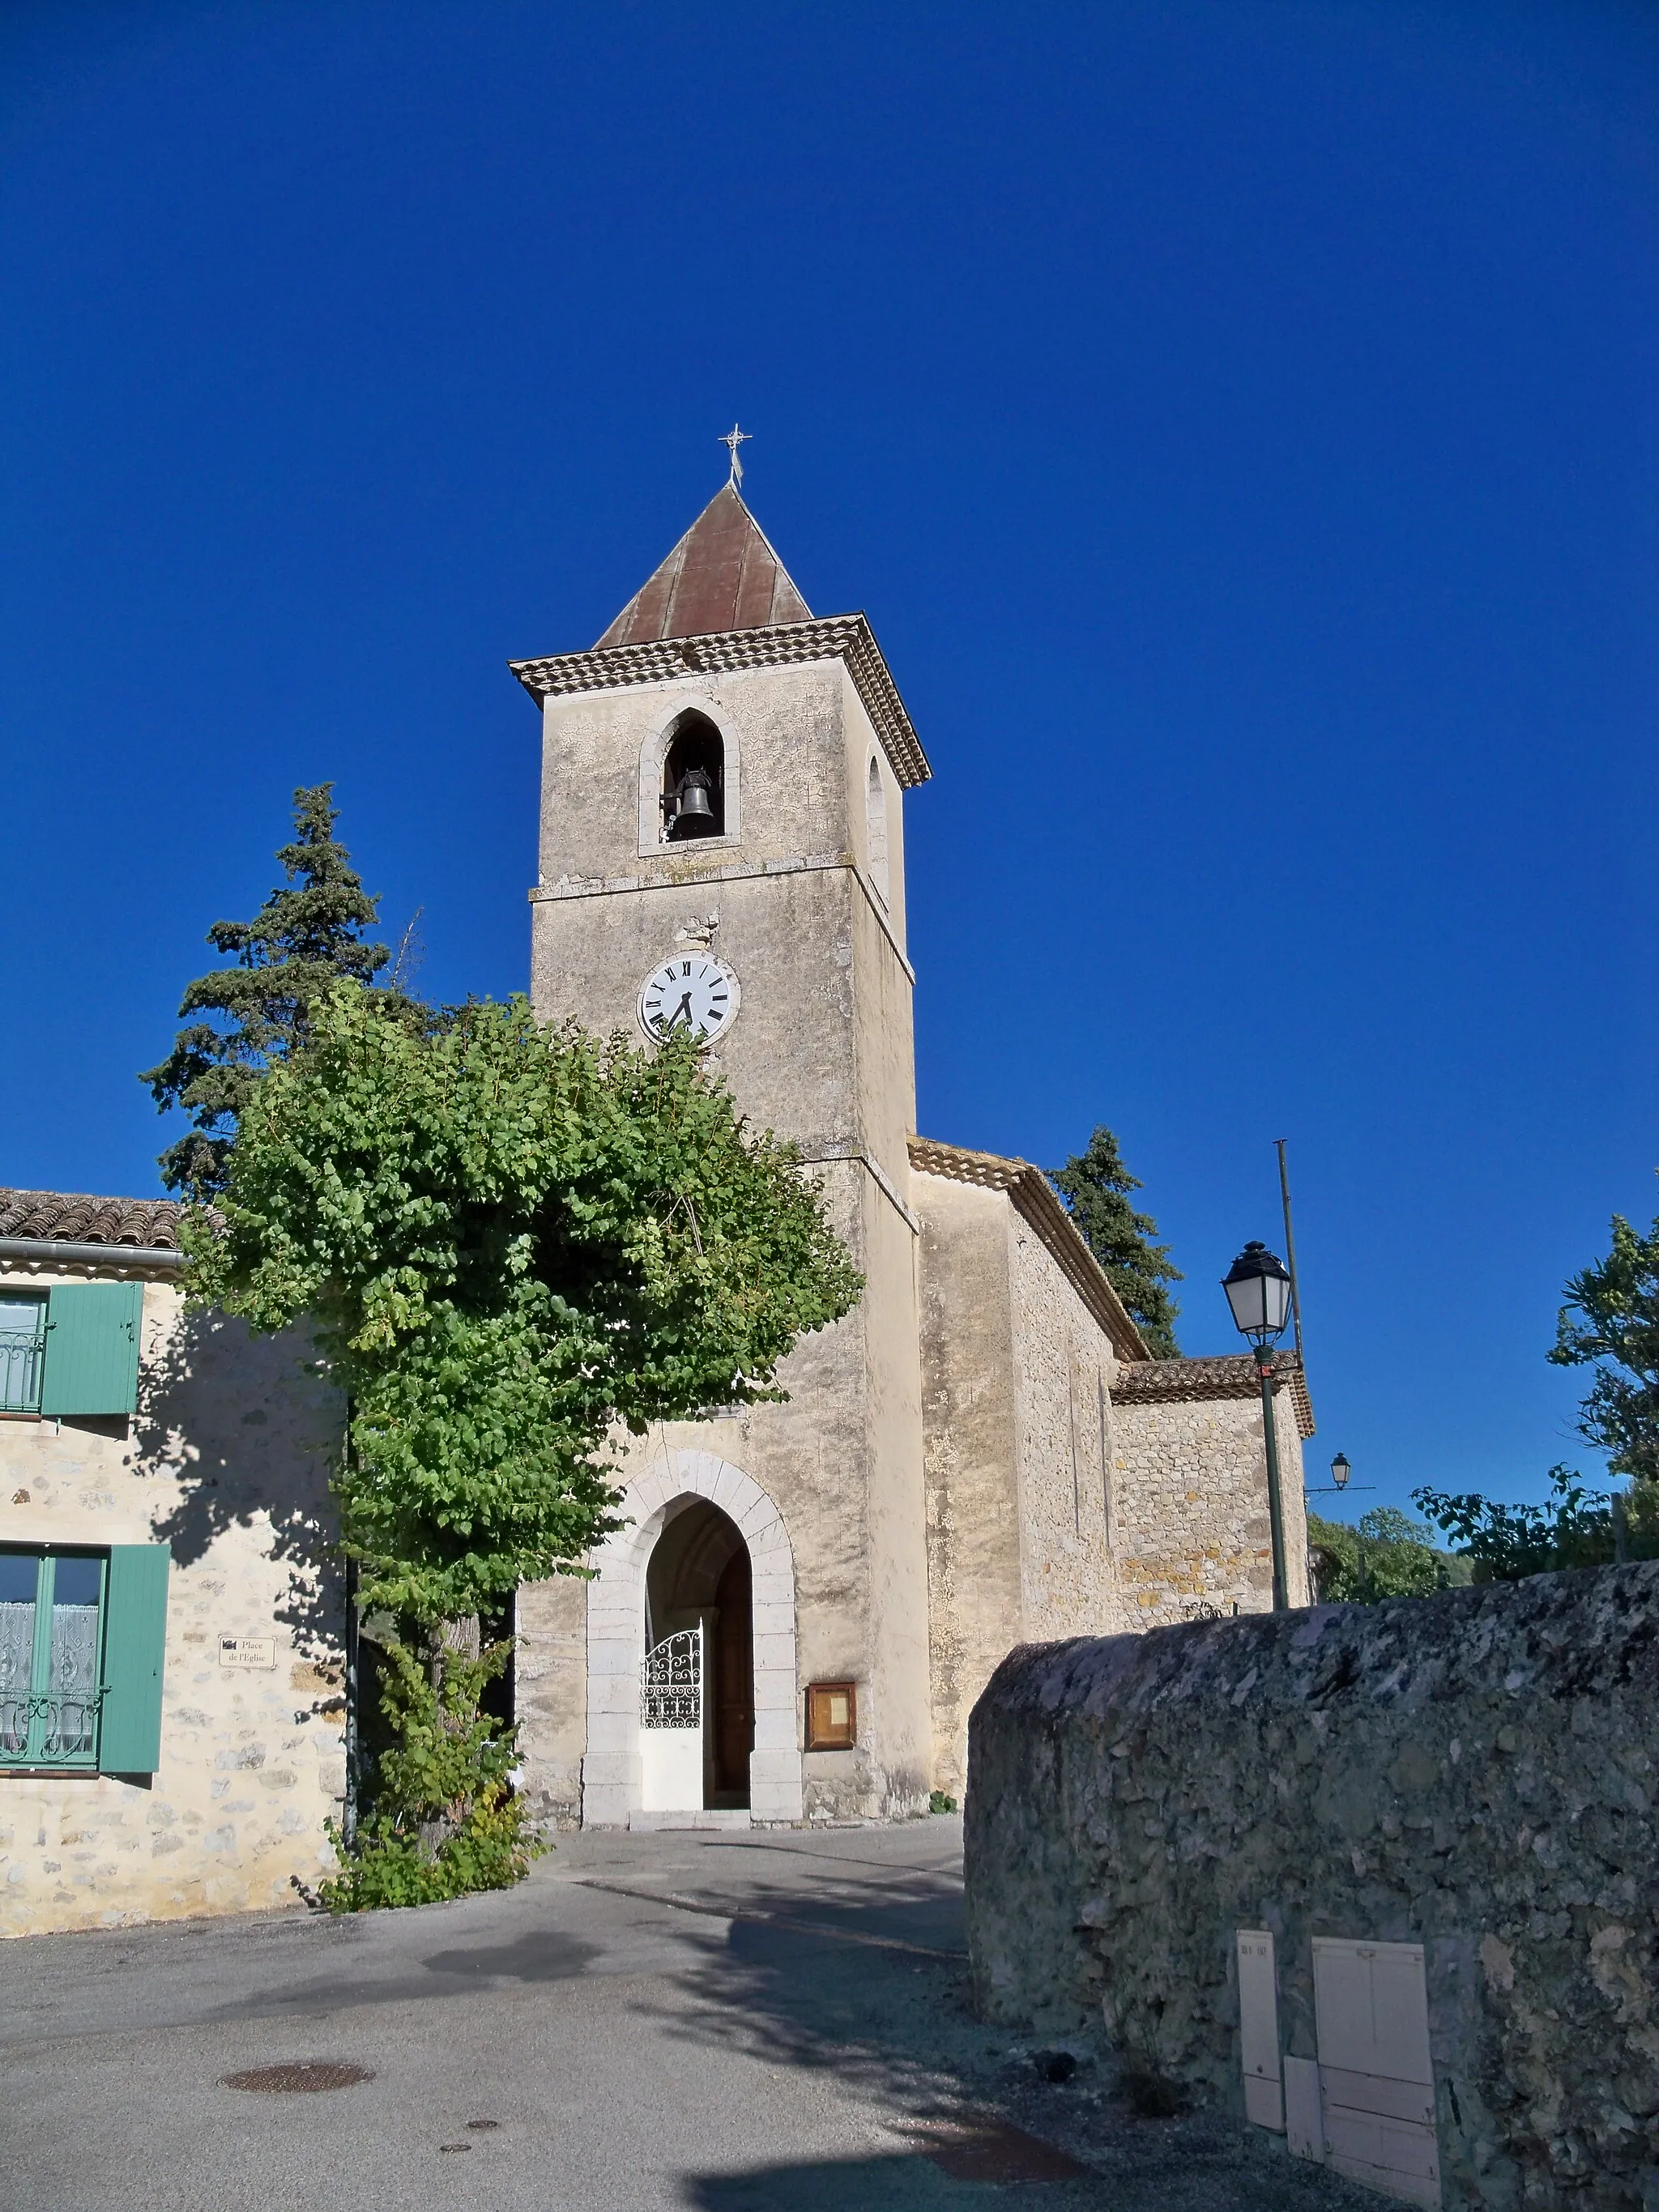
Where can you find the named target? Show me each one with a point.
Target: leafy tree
(510, 1244)
(1577, 1528)
(304, 938)
(1388, 1554)
(1095, 1186)
(1611, 1322)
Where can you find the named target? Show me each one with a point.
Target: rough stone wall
(1016, 1376)
(226, 1461)
(968, 1427)
(1062, 1368)
(1190, 1504)
(1473, 1772)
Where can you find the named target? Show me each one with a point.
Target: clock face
(693, 991)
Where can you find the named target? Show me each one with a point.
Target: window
(82, 1641)
(22, 1342)
(51, 1606)
(693, 781)
(73, 1350)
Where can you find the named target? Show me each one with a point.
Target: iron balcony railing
(51, 1731)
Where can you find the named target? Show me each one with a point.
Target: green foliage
(1576, 1527)
(938, 1801)
(304, 938)
(1095, 1186)
(1611, 1322)
(444, 1823)
(508, 1240)
(1388, 1554)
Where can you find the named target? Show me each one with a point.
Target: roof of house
(59, 1217)
(1225, 1375)
(722, 575)
(1034, 1196)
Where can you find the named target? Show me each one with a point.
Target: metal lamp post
(1259, 1291)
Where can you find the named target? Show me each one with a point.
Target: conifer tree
(1095, 1186)
(304, 938)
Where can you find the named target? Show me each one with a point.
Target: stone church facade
(981, 1453)
(807, 1597)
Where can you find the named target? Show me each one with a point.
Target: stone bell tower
(722, 842)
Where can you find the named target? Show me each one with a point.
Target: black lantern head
(1340, 1470)
(1259, 1291)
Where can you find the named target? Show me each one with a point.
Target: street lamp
(1340, 1470)
(1259, 1291)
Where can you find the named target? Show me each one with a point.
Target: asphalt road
(739, 2023)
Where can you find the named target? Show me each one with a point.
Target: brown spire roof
(721, 576)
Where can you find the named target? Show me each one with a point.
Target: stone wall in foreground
(1474, 1772)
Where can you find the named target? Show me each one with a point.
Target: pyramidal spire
(722, 575)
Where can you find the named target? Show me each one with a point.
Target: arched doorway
(699, 1575)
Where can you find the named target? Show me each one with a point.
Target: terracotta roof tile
(723, 575)
(848, 638)
(1034, 1196)
(1225, 1374)
(59, 1216)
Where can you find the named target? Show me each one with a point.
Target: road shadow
(903, 2183)
(890, 2017)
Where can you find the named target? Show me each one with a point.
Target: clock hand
(683, 1007)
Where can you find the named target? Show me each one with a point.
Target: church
(807, 1597)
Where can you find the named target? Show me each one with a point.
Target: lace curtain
(74, 1686)
(16, 1658)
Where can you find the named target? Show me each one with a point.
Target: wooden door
(734, 1678)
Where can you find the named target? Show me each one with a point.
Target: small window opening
(694, 782)
(875, 822)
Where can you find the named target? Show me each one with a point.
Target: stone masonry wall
(226, 1460)
(1473, 1772)
(1190, 1507)
(1062, 1372)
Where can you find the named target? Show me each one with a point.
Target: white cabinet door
(1258, 2028)
(1371, 2004)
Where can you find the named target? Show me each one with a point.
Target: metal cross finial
(731, 441)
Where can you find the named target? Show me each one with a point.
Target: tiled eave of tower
(848, 638)
(1034, 1196)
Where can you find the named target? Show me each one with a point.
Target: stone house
(172, 1709)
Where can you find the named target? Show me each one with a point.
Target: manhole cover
(297, 2074)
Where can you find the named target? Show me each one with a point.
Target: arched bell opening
(699, 1582)
(693, 781)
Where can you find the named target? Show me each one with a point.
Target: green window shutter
(92, 1348)
(134, 1648)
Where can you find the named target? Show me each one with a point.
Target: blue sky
(1238, 421)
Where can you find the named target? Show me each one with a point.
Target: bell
(694, 812)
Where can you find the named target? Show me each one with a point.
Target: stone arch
(653, 751)
(616, 1637)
